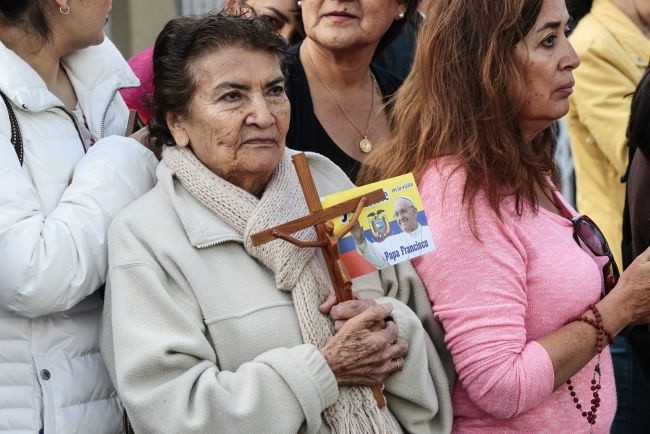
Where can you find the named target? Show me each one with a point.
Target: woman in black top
(337, 96)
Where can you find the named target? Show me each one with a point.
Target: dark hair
(578, 9)
(638, 129)
(185, 39)
(396, 26)
(29, 15)
(299, 34)
(463, 97)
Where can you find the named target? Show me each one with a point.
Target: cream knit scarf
(296, 270)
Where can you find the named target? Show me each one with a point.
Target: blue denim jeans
(633, 411)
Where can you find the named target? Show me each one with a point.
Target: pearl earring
(400, 15)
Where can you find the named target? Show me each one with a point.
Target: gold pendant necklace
(365, 145)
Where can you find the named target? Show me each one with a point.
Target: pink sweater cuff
(541, 385)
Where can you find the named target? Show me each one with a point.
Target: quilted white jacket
(54, 216)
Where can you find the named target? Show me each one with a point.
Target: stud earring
(400, 15)
(65, 10)
(299, 3)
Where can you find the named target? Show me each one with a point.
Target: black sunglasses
(585, 230)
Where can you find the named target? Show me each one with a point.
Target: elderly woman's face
(547, 60)
(238, 117)
(341, 25)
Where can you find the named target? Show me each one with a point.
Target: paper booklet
(394, 230)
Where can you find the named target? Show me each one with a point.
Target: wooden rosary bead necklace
(601, 335)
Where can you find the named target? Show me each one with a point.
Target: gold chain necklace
(364, 144)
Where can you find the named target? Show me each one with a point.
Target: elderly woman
(205, 332)
(518, 279)
(337, 95)
(283, 16)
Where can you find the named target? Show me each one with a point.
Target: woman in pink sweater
(517, 280)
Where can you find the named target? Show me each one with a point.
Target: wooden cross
(327, 241)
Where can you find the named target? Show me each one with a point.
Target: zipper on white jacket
(73, 118)
(103, 123)
(221, 241)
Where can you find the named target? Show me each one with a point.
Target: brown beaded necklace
(601, 334)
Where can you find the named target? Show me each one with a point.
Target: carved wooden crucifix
(327, 241)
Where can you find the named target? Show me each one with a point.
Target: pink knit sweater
(525, 279)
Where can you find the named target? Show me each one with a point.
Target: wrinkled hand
(361, 356)
(634, 289)
(357, 233)
(341, 312)
(142, 136)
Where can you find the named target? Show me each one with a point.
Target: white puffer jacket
(54, 216)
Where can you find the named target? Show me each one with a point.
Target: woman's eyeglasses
(585, 230)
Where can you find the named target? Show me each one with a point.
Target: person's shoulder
(591, 37)
(328, 177)
(321, 164)
(144, 230)
(138, 216)
(447, 171)
(442, 188)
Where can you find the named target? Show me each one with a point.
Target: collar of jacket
(96, 73)
(202, 226)
(623, 30)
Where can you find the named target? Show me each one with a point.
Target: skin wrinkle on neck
(345, 72)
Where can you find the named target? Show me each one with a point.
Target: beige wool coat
(198, 339)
